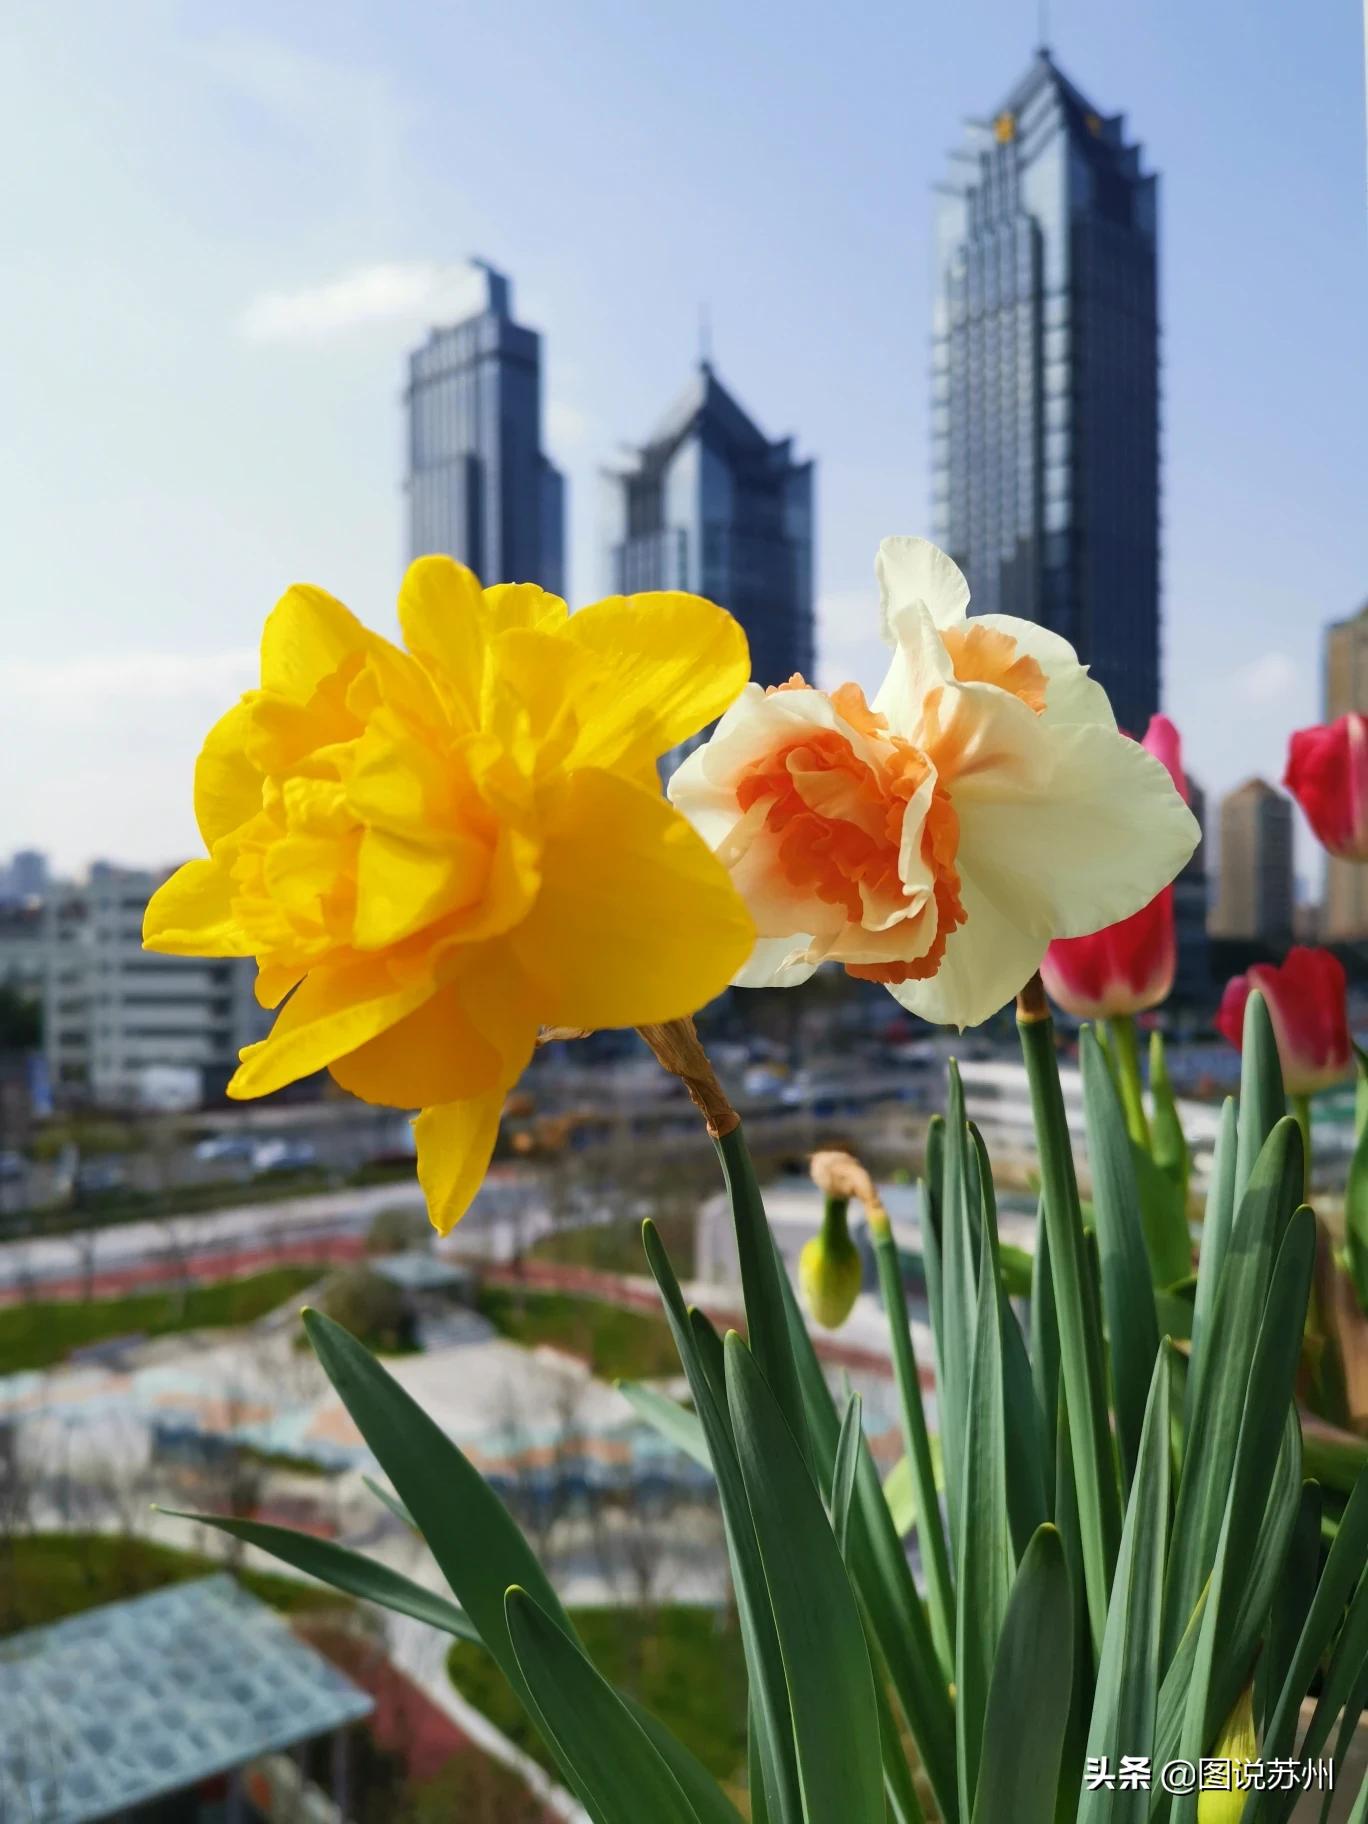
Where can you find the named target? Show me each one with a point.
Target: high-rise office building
(1192, 982)
(1346, 689)
(1255, 899)
(480, 486)
(711, 505)
(1045, 388)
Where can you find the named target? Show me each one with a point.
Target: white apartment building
(113, 1012)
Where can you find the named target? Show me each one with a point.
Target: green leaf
(959, 1302)
(1356, 1215)
(1349, 1722)
(344, 1569)
(1044, 1354)
(1220, 1367)
(1163, 1220)
(1126, 1702)
(1028, 1700)
(1080, 1342)
(1169, 1142)
(1292, 1601)
(921, 1482)
(843, 1473)
(821, 1636)
(772, 1720)
(675, 1423)
(1262, 1101)
(1347, 1661)
(622, 1774)
(1027, 1503)
(761, 1272)
(984, 1571)
(1216, 1229)
(1127, 1294)
(391, 1501)
(710, 1804)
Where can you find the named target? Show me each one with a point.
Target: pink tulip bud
(1327, 774)
(1306, 1003)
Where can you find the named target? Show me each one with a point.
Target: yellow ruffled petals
(335, 1010)
(435, 1054)
(307, 635)
(523, 605)
(671, 663)
(191, 914)
(442, 617)
(637, 922)
(455, 1144)
(227, 785)
(402, 886)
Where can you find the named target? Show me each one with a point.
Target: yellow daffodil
(1224, 1799)
(433, 852)
(937, 840)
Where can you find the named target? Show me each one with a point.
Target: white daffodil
(937, 840)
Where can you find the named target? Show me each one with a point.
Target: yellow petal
(306, 637)
(455, 1145)
(333, 1011)
(672, 663)
(191, 914)
(637, 921)
(523, 605)
(432, 1055)
(401, 886)
(442, 616)
(227, 785)
(274, 981)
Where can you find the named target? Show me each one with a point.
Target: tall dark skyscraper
(1045, 390)
(711, 505)
(480, 486)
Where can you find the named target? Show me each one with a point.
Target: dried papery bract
(677, 1047)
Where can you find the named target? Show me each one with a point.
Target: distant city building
(1045, 389)
(1192, 982)
(480, 486)
(711, 505)
(114, 1014)
(24, 877)
(1346, 688)
(22, 953)
(1255, 898)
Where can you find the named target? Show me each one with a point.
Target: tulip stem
(1121, 1030)
(1300, 1109)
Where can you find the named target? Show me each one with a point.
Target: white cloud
(412, 292)
(1268, 679)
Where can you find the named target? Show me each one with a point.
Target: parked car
(284, 1156)
(99, 1178)
(227, 1147)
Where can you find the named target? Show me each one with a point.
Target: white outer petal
(986, 962)
(1071, 695)
(776, 962)
(913, 570)
(917, 667)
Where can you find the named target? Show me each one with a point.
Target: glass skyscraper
(480, 486)
(712, 506)
(1045, 389)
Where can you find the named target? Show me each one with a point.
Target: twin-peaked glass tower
(1045, 390)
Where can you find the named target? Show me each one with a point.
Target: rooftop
(123, 1704)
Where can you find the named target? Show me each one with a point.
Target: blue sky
(230, 223)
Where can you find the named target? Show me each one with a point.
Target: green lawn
(683, 1663)
(46, 1576)
(615, 1247)
(37, 1334)
(632, 1344)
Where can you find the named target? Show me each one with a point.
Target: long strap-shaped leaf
(675, 1423)
(959, 1302)
(1217, 1223)
(821, 1636)
(1126, 1699)
(1292, 1600)
(1262, 1101)
(346, 1570)
(983, 1573)
(1080, 1343)
(622, 1774)
(1127, 1286)
(771, 1717)
(1028, 1700)
(1221, 1368)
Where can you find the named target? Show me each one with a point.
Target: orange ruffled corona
(433, 852)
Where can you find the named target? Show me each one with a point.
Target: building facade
(1192, 980)
(1346, 689)
(1256, 890)
(1045, 380)
(480, 485)
(115, 1016)
(711, 505)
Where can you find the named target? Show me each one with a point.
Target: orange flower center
(838, 819)
(985, 655)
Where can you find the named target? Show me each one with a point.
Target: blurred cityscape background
(155, 1241)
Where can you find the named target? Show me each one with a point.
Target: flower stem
(1121, 1029)
(1301, 1110)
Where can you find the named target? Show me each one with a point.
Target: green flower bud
(830, 1268)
